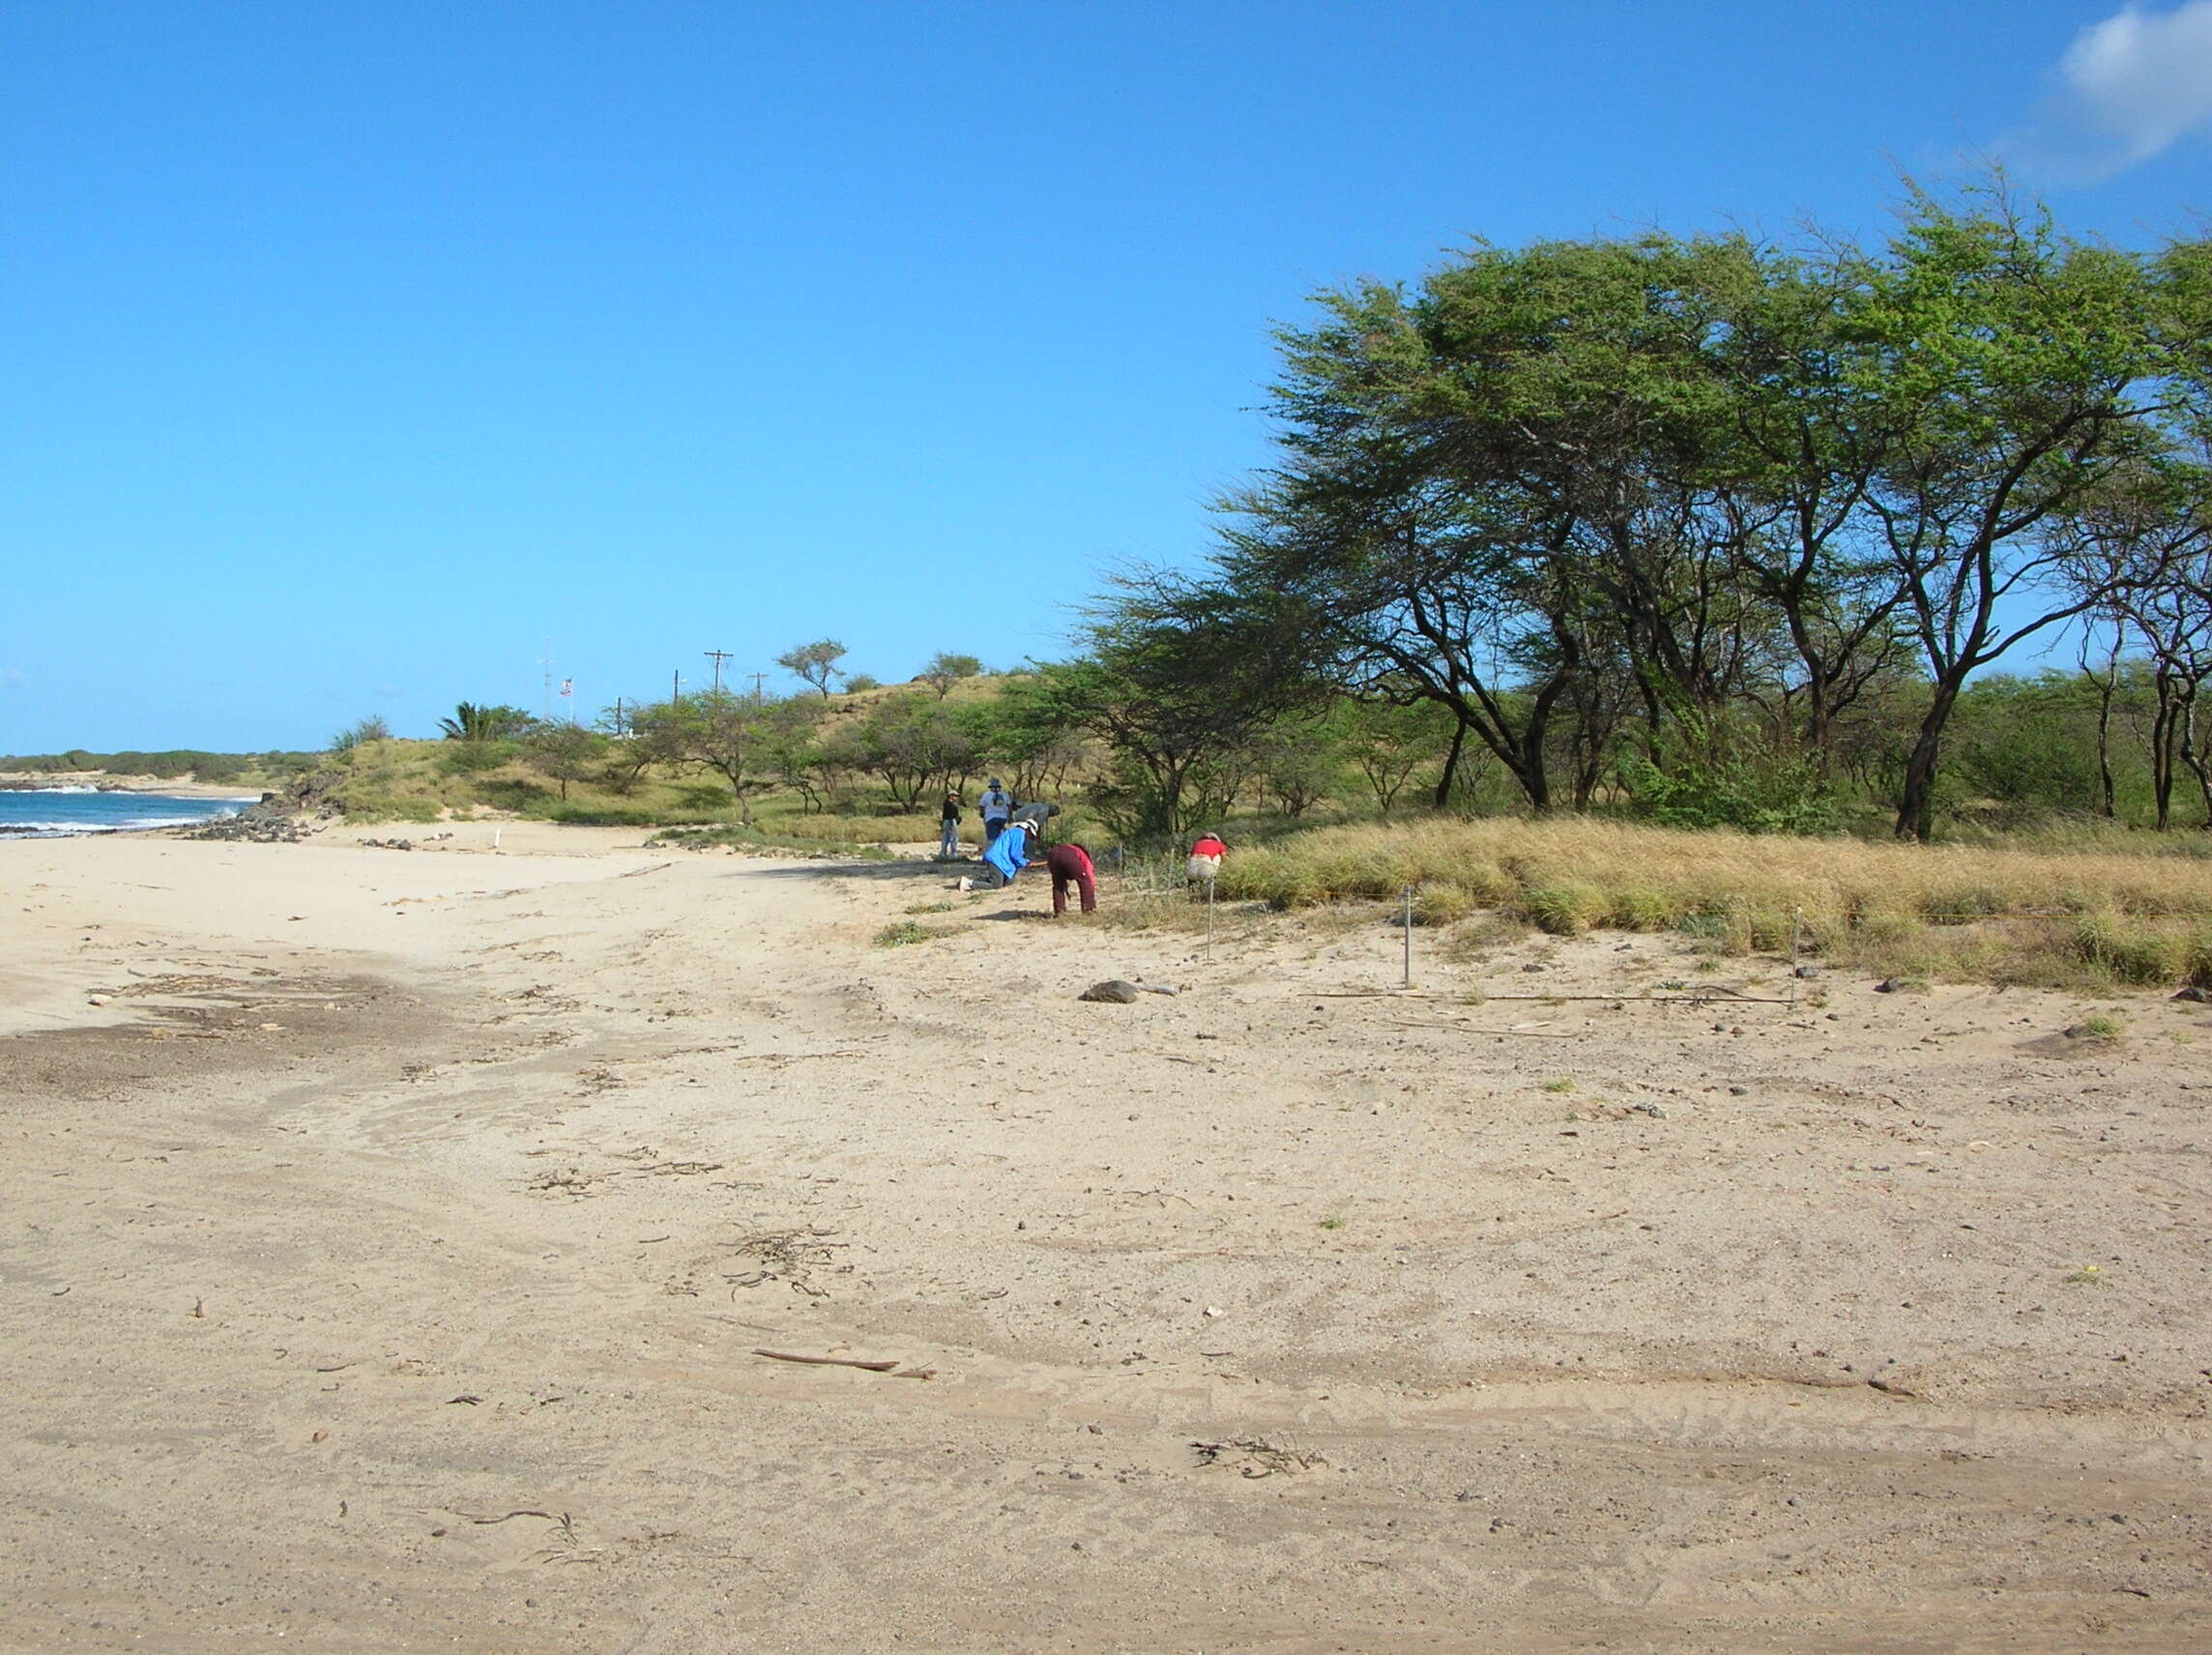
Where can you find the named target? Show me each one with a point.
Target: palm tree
(473, 723)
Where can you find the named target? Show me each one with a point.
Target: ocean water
(58, 812)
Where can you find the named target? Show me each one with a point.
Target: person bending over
(1204, 865)
(1003, 861)
(1070, 865)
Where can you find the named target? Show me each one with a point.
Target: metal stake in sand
(1209, 919)
(1406, 919)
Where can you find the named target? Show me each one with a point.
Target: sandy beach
(391, 1239)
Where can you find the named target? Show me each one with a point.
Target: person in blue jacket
(1006, 858)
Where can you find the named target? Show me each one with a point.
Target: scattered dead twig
(1257, 1458)
(509, 1516)
(563, 1181)
(790, 1257)
(1158, 1194)
(832, 1361)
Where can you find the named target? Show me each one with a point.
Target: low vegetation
(2021, 913)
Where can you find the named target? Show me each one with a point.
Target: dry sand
(388, 1237)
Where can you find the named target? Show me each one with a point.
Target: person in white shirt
(998, 806)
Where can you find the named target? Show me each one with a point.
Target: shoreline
(101, 781)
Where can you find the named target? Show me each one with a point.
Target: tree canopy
(1708, 484)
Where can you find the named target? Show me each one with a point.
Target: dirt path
(391, 1278)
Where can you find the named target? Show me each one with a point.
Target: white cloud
(2134, 85)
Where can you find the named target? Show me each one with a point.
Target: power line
(717, 657)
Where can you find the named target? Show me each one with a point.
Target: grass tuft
(909, 930)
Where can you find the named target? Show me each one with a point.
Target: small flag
(567, 686)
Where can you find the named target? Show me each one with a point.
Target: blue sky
(349, 352)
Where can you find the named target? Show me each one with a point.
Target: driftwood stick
(831, 1361)
(1717, 997)
(1720, 997)
(1469, 1029)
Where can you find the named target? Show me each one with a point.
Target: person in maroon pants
(1070, 864)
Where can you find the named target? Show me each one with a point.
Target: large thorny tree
(1703, 493)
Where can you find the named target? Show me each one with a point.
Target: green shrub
(604, 815)
(474, 758)
(383, 807)
(1758, 792)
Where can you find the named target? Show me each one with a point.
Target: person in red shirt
(1205, 865)
(1070, 864)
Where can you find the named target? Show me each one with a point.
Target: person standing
(948, 827)
(998, 807)
(1070, 865)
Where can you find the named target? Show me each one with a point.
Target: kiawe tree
(734, 736)
(1180, 680)
(944, 671)
(565, 752)
(816, 662)
(1701, 494)
(2039, 365)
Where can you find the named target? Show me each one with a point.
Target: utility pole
(717, 657)
(759, 678)
(676, 691)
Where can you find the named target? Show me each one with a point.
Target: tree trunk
(2104, 747)
(1452, 768)
(2163, 729)
(1917, 802)
(1817, 720)
(2198, 761)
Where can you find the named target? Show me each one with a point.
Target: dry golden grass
(1983, 913)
